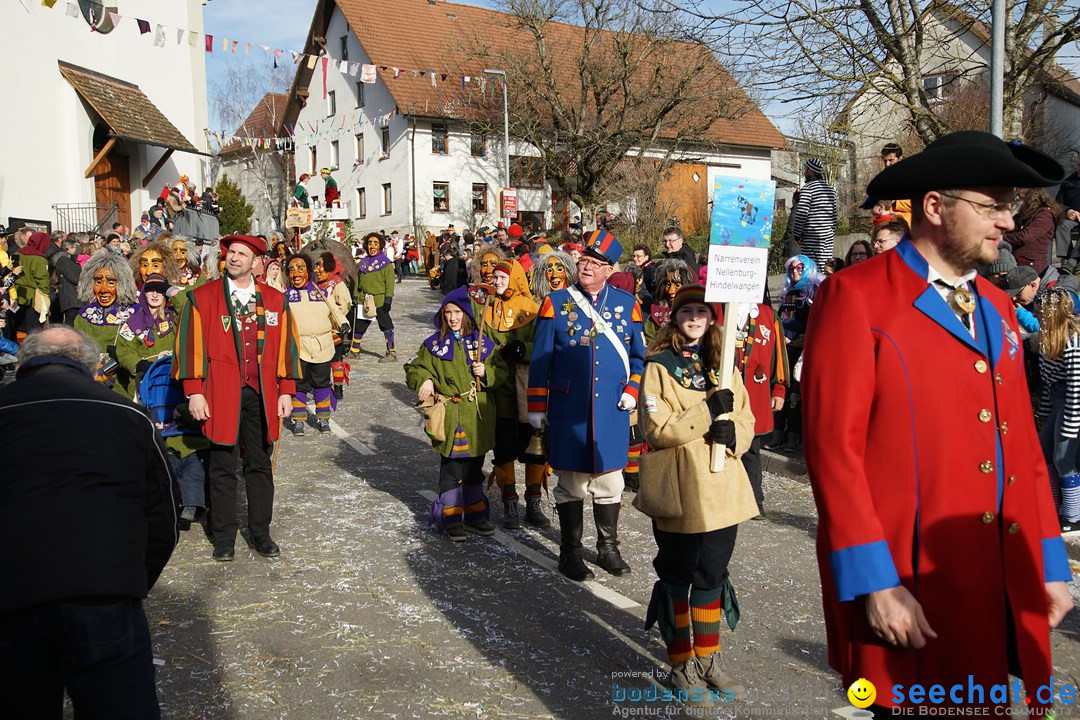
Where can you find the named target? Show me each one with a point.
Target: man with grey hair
(87, 531)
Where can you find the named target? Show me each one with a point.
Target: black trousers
(313, 375)
(511, 439)
(258, 475)
(97, 648)
(466, 471)
(751, 461)
(696, 559)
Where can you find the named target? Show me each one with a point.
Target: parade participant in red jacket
(761, 356)
(938, 545)
(237, 355)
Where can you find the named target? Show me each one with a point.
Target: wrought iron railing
(85, 217)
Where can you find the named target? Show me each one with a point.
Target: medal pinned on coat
(962, 302)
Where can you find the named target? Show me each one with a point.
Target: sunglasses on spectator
(798, 266)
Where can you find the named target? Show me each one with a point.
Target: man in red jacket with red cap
(238, 358)
(941, 561)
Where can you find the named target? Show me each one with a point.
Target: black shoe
(339, 392)
(296, 427)
(188, 515)
(455, 532)
(480, 527)
(265, 546)
(1068, 527)
(323, 426)
(511, 517)
(224, 551)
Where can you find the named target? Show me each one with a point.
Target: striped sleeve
(189, 350)
(288, 366)
(1070, 425)
(546, 309)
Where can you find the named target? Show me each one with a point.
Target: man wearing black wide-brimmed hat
(939, 549)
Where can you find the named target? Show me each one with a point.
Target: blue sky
(284, 24)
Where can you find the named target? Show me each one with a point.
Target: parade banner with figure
(739, 239)
(738, 268)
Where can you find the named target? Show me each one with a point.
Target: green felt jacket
(379, 283)
(453, 379)
(35, 276)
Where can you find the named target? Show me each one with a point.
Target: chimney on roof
(433, 2)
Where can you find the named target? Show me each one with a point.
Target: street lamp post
(506, 125)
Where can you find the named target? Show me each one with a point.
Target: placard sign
(739, 239)
(509, 203)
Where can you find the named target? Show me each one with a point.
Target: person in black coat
(454, 273)
(86, 534)
(68, 271)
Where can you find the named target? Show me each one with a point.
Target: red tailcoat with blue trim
(579, 386)
(927, 471)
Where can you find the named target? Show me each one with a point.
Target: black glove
(514, 351)
(722, 432)
(344, 329)
(141, 367)
(387, 302)
(110, 350)
(720, 402)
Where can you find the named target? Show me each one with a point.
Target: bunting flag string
(367, 73)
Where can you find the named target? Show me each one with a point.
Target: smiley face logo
(862, 693)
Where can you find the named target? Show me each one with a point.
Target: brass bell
(536, 452)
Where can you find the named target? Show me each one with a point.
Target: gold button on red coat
(1004, 428)
(1014, 528)
(1012, 479)
(984, 415)
(986, 466)
(987, 517)
(980, 366)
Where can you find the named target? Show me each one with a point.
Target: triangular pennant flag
(73, 10)
(277, 53)
(311, 60)
(192, 38)
(114, 18)
(443, 76)
(275, 62)
(295, 57)
(210, 44)
(180, 35)
(159, 37)
(48, 3)
(416, 73)
(397, 72)
(144, 26)
(266, 48)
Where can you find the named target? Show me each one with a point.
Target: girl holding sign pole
(695, 511)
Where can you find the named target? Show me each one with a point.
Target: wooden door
(112, 183)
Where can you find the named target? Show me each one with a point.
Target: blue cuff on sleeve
(863, 569)
(1055, 560)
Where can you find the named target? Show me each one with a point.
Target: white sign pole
(727, 367)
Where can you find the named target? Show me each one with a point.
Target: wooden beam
(157, 166)
(99, 157)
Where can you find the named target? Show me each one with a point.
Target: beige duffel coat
(674, 420)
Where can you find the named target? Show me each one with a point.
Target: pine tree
(235, 216)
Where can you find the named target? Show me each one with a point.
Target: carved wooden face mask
(151, 263)
(179, 250)
(105, 284)
(487, 267)
(555, 274)
(298, 274)
(373, 246)
(320, 271)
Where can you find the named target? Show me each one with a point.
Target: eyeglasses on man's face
(990, 211)
(589, 263)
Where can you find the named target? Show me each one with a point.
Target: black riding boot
(607, 540)
(571, 519)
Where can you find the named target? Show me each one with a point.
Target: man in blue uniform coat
(586, 366)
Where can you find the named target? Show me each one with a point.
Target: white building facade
(64, 110)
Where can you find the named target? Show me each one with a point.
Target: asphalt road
(368, 613)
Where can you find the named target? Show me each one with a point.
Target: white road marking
(604, 593)
(350, 440)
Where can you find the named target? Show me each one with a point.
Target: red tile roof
(418, 35)
(265, 121)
